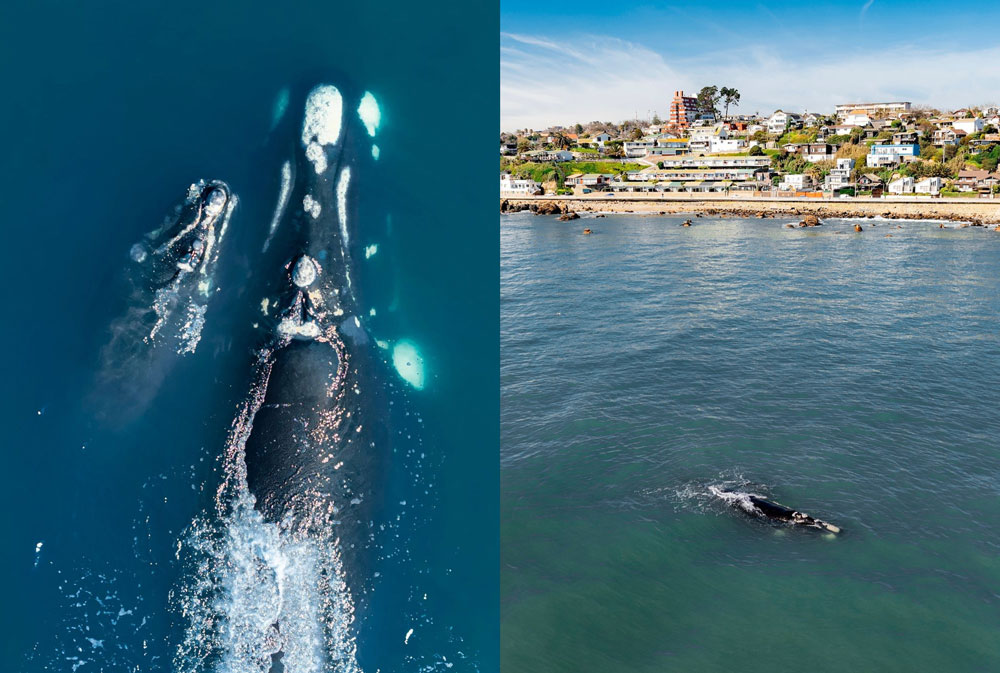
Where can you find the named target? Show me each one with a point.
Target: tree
(756, 151)
(729, 97)
(636, 134)
(707, 101)
(656, 120)
(563, 142)
(523, 145)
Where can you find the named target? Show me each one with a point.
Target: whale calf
(758, 506)
(170, 274)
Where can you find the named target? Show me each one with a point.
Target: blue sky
(584, 61)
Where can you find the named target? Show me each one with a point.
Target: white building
(840, 177)
(974, 125)
(928, 186)
(638, 148)
(602, 138)
(796, 182)
(780, 120)
(511, 185)
(727, 145)
(891, 155)
(856, 118)
(901, 186)
(549, 155)
(875, 109)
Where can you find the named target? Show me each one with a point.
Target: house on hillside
(548, 155)
(839, 177)
(857, 118)
(811, 119)
(892, 155)
(814, 152)
(781, 121)
(904, 138)
(947, 136)
(970, 125)
(834, 130)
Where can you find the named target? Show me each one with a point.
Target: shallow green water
(853, 377)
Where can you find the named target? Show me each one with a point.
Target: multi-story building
(813, 152)
(873, 109)
(892, 155)
(840, 177)
(778, 122)
(512, 185)
(683, 110)
(795, 182)
(761, 162)
(668, 147)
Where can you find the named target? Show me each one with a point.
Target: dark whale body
(758, 506)
(317, 450)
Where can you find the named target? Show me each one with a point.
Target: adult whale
(295, 532)
(757, 506)
(171, 282)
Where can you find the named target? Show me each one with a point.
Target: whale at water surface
(170, 275)
(758, 506)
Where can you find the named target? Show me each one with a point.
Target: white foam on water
(736, 498)
(375, 152)
(370, 113)
(342, 184)
(371, 250)
(258, 590)
(191, 330)
(284, 195)
(409, 363)
(311, 206)
(322, 123)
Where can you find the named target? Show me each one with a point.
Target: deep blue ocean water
(110, 111)
(851, 376)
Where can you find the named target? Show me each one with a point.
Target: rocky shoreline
(974, 213)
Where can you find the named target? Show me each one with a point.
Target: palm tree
(730, 96)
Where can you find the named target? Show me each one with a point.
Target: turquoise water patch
(409, 363)
(370, 113)
(280, 107)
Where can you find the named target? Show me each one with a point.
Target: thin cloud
(864, 10)
(545, 81)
